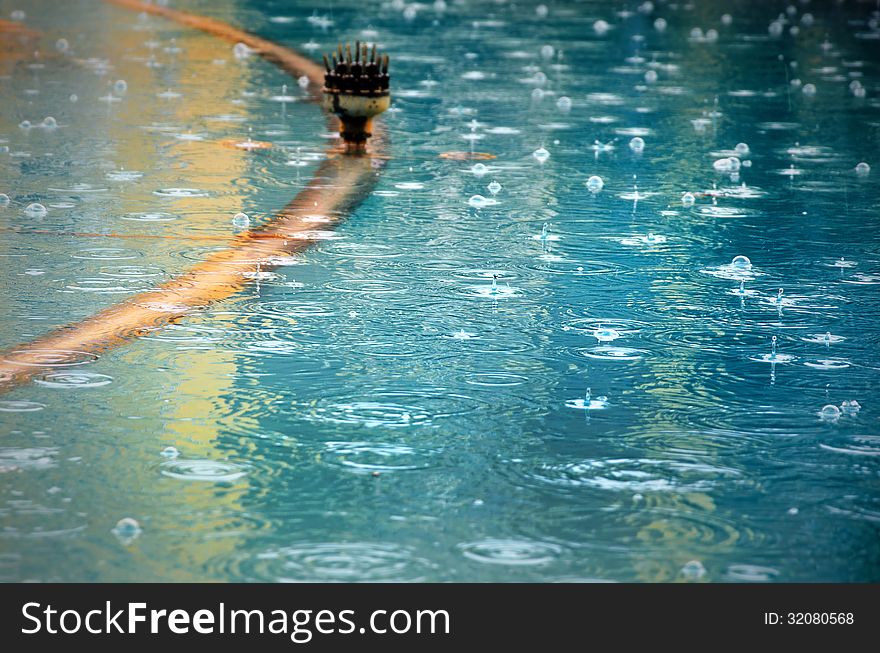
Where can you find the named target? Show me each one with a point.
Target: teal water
(374, 411)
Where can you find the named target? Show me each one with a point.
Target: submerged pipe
(339, 184)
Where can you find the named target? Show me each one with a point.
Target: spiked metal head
(356, 90)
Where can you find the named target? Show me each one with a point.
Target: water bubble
(410, 12)
(170, 452)
(742, 149)
(741, 263)
(564, 103)
(127, 530)
(62, 45)
(651, 76)
(303, 81)
(688, 199)
(829, 413)
(36, 210)
(73, 97)
(697, 34)
(711, 35)
(595, 184)
(241, 51)
(541, 155)
(494, 188)
(863, 169)
(49, 122)
(25, 124)
(479, 202)
(541, 11)
(693, 569)
(775, 28)
(660, 24)
(537, 95)
(850, 407)
(601, 27)
(637, 144)
(807, 20)
(241, 220)
(548, 51)
(726, 19)
(18, 15)
(809, 90)
(727, 164)
(120, 87)
(479, 169)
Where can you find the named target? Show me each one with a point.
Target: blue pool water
(375, 410)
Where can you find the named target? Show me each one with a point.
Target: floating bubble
(548, 51)
(651, 76)
(479, 202)
(127, 530)
(541, 155)
(24, 124)
(73, 97)
(829, 413)
(303, 81)
(601, 27)
(595, 184)
(660, 24)
(241, 51)
(170, 452)
(693, 570)
(18, 15)
(479, 169)
(688, 199)
(120, 87)
(241, 220)
(637, 144)
(494, 188)
(726, 19)
(727, 164)
(809, 90)
(850, 407)
(862, 169)
(62, 45)
(537, 95)
(541, 11)
(36, 210)
(564, 103)
(741, 263)
(742, 149)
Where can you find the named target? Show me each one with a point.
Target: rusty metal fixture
(356, 90)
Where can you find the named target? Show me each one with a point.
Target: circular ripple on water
(609, 353)
(20, 406)
(150, 216)
(495, 379)
(107, 254)
(341, 562)
(626, 475)
(180, 192)
(396, 409)
(65, 379)
(362, 250)
(131, 271)
(368, 457)
(206, 470)
(50, 357)
(369, 287)
(497, 551)
(294, 308)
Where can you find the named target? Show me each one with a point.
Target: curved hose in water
(339, 184)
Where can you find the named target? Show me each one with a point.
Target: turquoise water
(374, 410)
